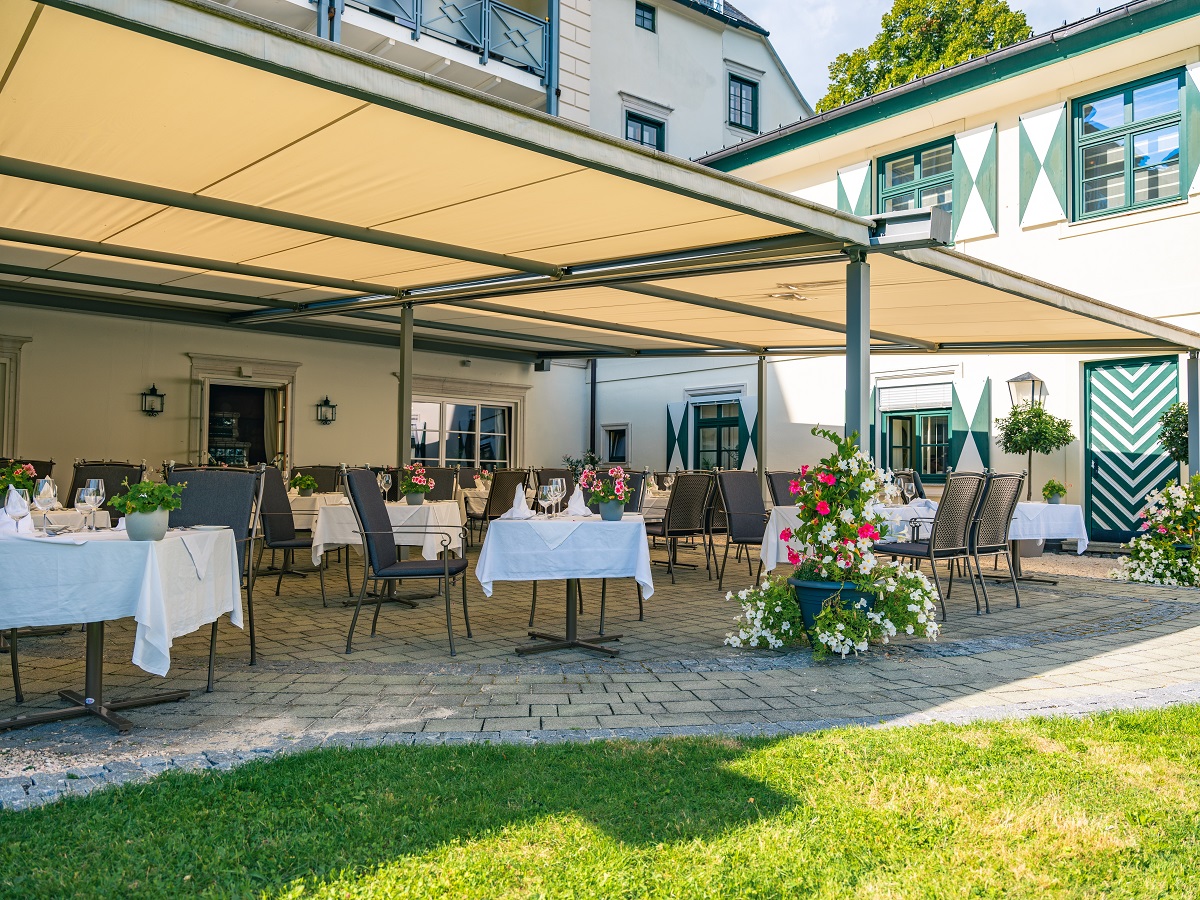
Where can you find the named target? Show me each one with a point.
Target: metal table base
(571, 639)
(91, 702)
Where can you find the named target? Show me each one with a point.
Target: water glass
(16, 504)
(45, 494)
(87, 501)
(385, 482)
(545, 497)
(559, 488)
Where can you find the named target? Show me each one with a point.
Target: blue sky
(808, 42)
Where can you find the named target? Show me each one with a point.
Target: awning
(179, 159)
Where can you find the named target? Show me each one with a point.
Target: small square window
(645, 131)
(743, 103)
(643, 16)
(616, 443)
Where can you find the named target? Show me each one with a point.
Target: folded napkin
(120, 526)
(576, 505)
(520, 508)
(554, 531)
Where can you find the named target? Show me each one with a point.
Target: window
(918, 179)
(643, 16)
(716, 435)
(455, 433)
(743, 103)
(616, 443)
(920, 441)
(1127, 147)
(645, 131)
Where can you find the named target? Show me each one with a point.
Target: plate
(209, 527)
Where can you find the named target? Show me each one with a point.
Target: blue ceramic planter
(811, 596)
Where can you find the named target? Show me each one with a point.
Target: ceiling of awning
(179, 159)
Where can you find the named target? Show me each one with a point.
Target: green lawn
(1105, 807)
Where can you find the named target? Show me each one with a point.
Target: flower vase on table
(146, 507)
(414, 484)
(609, 493)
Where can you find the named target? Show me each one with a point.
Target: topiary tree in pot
(1174, 431)
(1029, 429)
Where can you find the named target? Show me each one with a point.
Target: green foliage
(589, 460)
(1030, 429)
(1053, 488)
(147, 496)
(1174, 433)
(919, 37)
(770, 617)
(1168, 549)
(302, 482)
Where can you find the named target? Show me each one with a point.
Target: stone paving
(1082, 645)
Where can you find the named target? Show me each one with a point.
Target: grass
(1103, 807)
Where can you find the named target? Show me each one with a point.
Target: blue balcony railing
(492, 29)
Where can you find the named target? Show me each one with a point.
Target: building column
(760, 425)
(858, 347)
(551, 79)
(405, 375)
(1193, 401)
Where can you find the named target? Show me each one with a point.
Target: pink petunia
(823, 508)
(786, 534)
(827, 478)
(794, 486)
(793, 556)
(1162, 529)
(804, 470)
(868, 531)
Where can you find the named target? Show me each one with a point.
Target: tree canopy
(919, 37)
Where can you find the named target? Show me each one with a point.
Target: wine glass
(87, 502)
(16, 504)
(45, 494)
(385, 482)
(545, 497)
(559, 487)
(97, 487)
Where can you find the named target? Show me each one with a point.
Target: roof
(726, 12)
(1084, 36)
(222, 170)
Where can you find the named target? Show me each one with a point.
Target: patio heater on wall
(1027, 389)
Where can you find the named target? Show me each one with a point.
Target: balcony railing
(492, 29)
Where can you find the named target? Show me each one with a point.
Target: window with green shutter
(918, 179)
(1128, 148)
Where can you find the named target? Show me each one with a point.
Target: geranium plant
(1053, 488)
(18, 475)
(836, 504)
(147, 497)
(605, 490)
(1166, 551)
(302, 482)
(413, 480)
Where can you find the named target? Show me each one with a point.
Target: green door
(1124, 461)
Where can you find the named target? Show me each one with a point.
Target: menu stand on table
(571, 639)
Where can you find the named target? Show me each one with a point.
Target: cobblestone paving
(1080, 646)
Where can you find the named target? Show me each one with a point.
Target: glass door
(900, 432)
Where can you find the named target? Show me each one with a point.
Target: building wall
(82, 376)
(575, 60)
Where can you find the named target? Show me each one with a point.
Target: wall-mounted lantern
(326, 411)
(153, 402)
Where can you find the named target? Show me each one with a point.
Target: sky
(807, 43)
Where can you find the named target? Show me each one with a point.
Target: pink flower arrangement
(605, 490)
(413, 480)
(18, 475)
(827, 478)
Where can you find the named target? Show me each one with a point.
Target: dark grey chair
(685, 515)
(443, 483)
(325, 476)
(111, 472)
(381, 560)
(466, 476)
(993, 522)
(746, 516)
(949, 532)
(500, 496)
(543, 476)
(279, 527)
(232, 499)
(779, 484)
(906, 484)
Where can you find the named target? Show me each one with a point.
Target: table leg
(571, 639)
(1016, 564)
(92, 702)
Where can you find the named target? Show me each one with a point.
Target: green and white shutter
(854, 189)
(976, 186)
(1191, 120)
(970, 427)
(1042, 161)
(677, 436)
(748, 433)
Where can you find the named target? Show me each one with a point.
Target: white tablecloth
(68, 517)
(1050, 521)
(561, 548)
(335, 527)
(304, 509)
(171, 587)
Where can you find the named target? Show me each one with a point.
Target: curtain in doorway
(271, 425)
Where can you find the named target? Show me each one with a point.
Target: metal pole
(551, 57)
(760, 425)
(858, 346)
(323, 19)
(592, 406)
(406, 385)
(1193, 401)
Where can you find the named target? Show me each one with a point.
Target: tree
(1174, 433)
(919, 37)
(1030, 429)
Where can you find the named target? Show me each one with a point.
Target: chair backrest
(112, 473)
(43, 467)
(918, 486)
(278, 524)
(903, 479)
(994, 519)
(744, 508)
(444, 482)
(687, 504)
(633, 499)
(467, 476)
(956, 511)
(326, 477)
(779, 483)
(371, 514)
(543, 476)
(221, 497)
(393, 492)
(504, 488)
(716, 521)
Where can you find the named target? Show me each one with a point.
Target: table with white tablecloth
(1050, 522)
(566, 547)
(896, 521)
(170, 587)
(335, 527)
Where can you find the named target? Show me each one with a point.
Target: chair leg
(449, 627)
(321, 576)
(533, 605)
(212, 657)
(603, 597)
(349, 586)
(721, 570)
(937, 581)
(758, 574)
(641, 612)
(950, 586)
(357, 607)
(16, 668)
(971, 577)
(287, 555)
(378, 605)
(987, 606)
(672, 548)
(1011, 574)
(466, 615)
(250, 613)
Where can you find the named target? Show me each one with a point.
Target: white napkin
(554, 531)
(200, 548)
(576, 505)
(520, 508)
(120, 526)
(1030, 512)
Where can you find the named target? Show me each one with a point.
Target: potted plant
(1029, 429)
(845, 596)
(414, 484)
(1173, 431)
(589, 460)
(1167, 551)
(146, 507)
(610, 492)
(303, 484)
(18, 475)
(1053, 491)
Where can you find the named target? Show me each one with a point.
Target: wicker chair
(467, 476)
(382, 562)
(779, 483)
(685, 514)
(445, 483)
(279, 527)
(500, 496)
(993, 522)
(746, 514)
(111, 472)
(326, 477)
(949, 532)
(716, 521)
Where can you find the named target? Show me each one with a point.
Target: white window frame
(627, 427)
(433, 389)
(10, 385)
(208, 370)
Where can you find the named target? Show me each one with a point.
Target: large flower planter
(414, 499)
(151, 526)
(811, 596)
(612, 510)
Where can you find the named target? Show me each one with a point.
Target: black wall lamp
(153, 402)
(326, 411)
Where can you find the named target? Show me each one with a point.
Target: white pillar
(406, 385)
(760, 425)
(1193, 401)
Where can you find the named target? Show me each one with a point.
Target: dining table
(170, 588)
(566, 547)
(335, 526)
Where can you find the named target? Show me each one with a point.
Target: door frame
(916, 415)
(725, 423)
(208, 370)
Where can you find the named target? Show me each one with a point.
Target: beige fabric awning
(180, 159)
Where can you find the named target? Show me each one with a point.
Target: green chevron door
(1124, 460)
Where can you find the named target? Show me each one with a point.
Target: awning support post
(1193, 401)
(858, 346)
(406, 385)
(760, 425)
